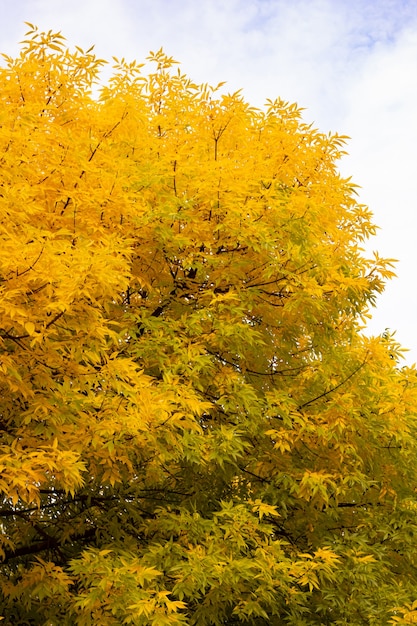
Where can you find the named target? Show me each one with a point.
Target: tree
(194, 428)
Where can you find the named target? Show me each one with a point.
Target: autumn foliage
(194, 428)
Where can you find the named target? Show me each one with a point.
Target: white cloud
(383, 125)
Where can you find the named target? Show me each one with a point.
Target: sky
(350, 64)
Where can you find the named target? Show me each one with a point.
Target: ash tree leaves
(194, 428)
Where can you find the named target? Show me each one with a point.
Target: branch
(41, 546)
(260, 478)
(332, 389)
(30, 266)
(356, 505)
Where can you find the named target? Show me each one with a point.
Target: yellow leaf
(30, 327)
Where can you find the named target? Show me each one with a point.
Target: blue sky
(352, 64)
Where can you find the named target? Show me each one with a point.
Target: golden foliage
(194, 429)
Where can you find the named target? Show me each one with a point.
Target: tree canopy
(194, 427)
